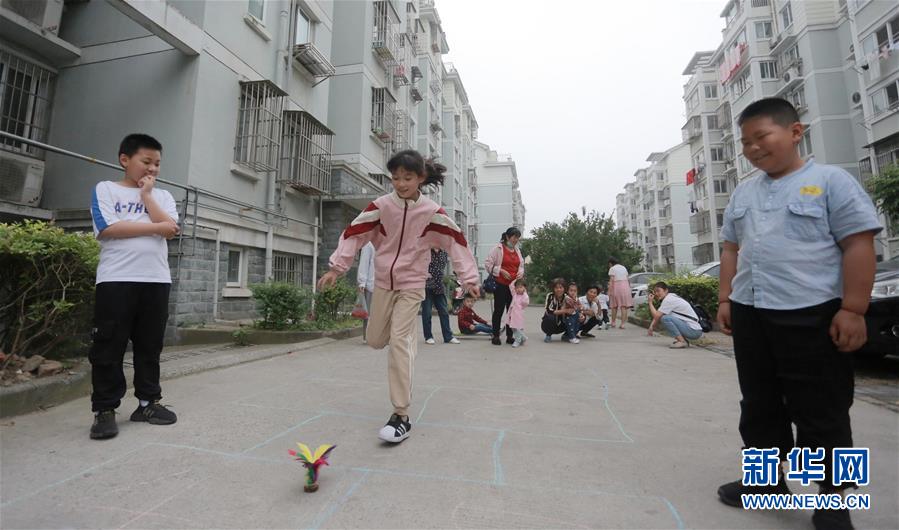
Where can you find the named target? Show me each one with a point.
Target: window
(743, 83)
(894, 30)
(719, 217)
(693, 101)
(869, 46)
(786, 16)
(259, 125)
(25, 97)
(745, 165)
(712, 122)
(383, 114)
(763, 30)
(805, 145)
(720, 186)
(883, 37)
(306, 153)
(287, 268)
(717, 154)
(797, 97)
(768, 69)
(886, 98)
(235, 268)
(304, 28)
(257, 9)
(892, 91)
(711, 91)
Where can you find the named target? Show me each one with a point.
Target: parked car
(882, 318)
(640, 282)
(712, 268)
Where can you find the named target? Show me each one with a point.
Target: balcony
(305, 153)
(415, 94)
(782, 40)
(692, 129)
(704, 253)
(385, 33)
(311, 59)
(700, 223)
(792, 78)
(400, 76)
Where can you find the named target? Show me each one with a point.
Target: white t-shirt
(603, 300)
(593, 307)
(132, 259)
(673, 304)
(618, 273)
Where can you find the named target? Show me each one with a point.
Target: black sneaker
(496, 341)
(832, 520)
(731, 493)
(588, 335)
(104, 425)
(154, 413)
(396, 430)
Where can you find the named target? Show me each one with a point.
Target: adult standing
(506, 264)
(620, 299)
(435, 296)
(365, 279)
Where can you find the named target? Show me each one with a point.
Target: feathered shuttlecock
(312, 461)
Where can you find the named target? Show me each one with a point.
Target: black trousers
(790, 372)
(502, 299)
(589, 324)
(127, 311)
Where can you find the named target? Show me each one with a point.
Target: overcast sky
(579, 92)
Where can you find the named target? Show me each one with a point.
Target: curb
(41, 394)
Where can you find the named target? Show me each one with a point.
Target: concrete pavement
(616, 432)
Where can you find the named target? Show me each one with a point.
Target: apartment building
(655, 213)
(712, 173)
(499, 205)
(838, 62)
(874, 63)
(234, 92)
(459, 195)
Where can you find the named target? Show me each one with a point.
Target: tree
(885, 192)
(578, 250)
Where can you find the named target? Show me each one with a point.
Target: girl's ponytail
(434, 172)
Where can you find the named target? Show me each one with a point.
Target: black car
(882, 317)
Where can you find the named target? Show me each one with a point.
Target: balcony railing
(306, 153)
(385, 33)
(312, 60)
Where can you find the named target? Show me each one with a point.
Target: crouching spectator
(469, 321)
(675, 314)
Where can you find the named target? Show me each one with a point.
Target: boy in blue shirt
(796, 275)
(132, 220)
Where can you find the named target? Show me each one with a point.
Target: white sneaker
(430, 341)
(396, 430)
(678, 345)
(453, 340)
(575, 340)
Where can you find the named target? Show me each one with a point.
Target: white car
(712, 268)
(640, 285)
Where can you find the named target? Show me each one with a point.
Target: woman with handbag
(506, 265)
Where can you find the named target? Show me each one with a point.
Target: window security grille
(306, 153)
(259, 125)
(26, 93)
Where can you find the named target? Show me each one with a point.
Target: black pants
(127, 311)
(605, 316)
(589, 324)
(502, 299)
(791, 372)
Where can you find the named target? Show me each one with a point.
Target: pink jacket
(515, 316)
(494, 262)
(403, 232)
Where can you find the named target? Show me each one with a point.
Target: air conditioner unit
(791, 75)
(855, 98)
(21, 179)
(44, 14)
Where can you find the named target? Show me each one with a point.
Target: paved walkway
(616, 432)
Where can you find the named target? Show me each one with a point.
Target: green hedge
(286, 306)
(46, 289)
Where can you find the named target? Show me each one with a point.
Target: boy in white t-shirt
(132, 219)
(675, 314)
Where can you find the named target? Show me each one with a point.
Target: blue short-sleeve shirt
(788, 230)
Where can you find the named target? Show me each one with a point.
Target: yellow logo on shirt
(814, 191)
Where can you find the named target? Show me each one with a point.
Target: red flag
(691, 176)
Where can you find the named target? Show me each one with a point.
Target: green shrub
(330, 302)
(46, 289)
(281, 305)
(241, 337)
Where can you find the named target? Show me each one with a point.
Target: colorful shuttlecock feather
(312, 461)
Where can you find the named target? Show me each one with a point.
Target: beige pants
(391, 320)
